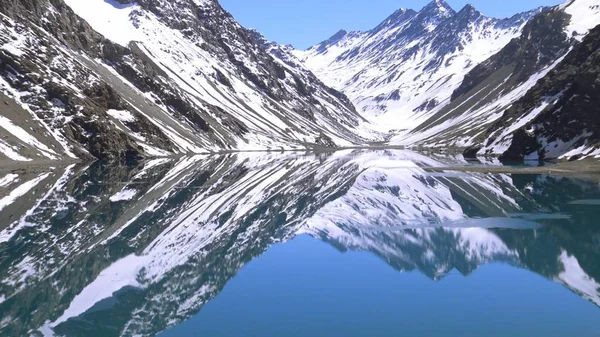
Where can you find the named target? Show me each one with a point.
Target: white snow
(27, 138)
(150, 165)
(30, 139)
(126, 194)
(10, 152)
(118, 275)
(585, 15)
(10, 231)
(8, 179)
(577, 279)
(19, 192)
(121, 115)
(109, 18)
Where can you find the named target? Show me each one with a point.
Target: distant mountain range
(120, 80)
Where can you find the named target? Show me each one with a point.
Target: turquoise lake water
(307, 288)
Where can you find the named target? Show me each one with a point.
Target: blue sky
(304, 23)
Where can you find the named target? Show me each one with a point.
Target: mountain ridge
(430, 47)
(445, 85)
(123, 80)
(161, 81)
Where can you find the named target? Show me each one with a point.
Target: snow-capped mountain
(398, 73)
(531, 79)
(115, 79)
(444, 79)
(149, 245)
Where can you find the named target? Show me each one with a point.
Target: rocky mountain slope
(460, 80)
(495, 102)
(558, 117)
(399, 72)
(131, 251)
(125, 79)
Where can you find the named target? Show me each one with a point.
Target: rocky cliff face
(125, 79)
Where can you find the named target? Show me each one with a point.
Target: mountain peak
(433, 14)
(340, 34)
(469, 11)
(332, 40)
(438, 7)
(469, 7)
(399, 16)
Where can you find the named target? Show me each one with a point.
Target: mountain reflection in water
(105, 250)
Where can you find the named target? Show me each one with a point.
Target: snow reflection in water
(112, 250)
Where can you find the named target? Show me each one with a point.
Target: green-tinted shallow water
(348, 244)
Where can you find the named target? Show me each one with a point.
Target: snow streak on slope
(198, 73)
(576, 278)
(20, 191)
(398, 73)
(451, 130)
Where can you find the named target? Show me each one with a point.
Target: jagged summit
(470, 10)
(340, 34)
(440, 77)
(433, 13)
(438, 6)
(333, 39)
(399, 16)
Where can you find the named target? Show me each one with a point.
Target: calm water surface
(346, 244)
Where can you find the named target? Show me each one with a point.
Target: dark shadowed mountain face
(567, 100)
(542, 41)
(115, 80)
(105, 250)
